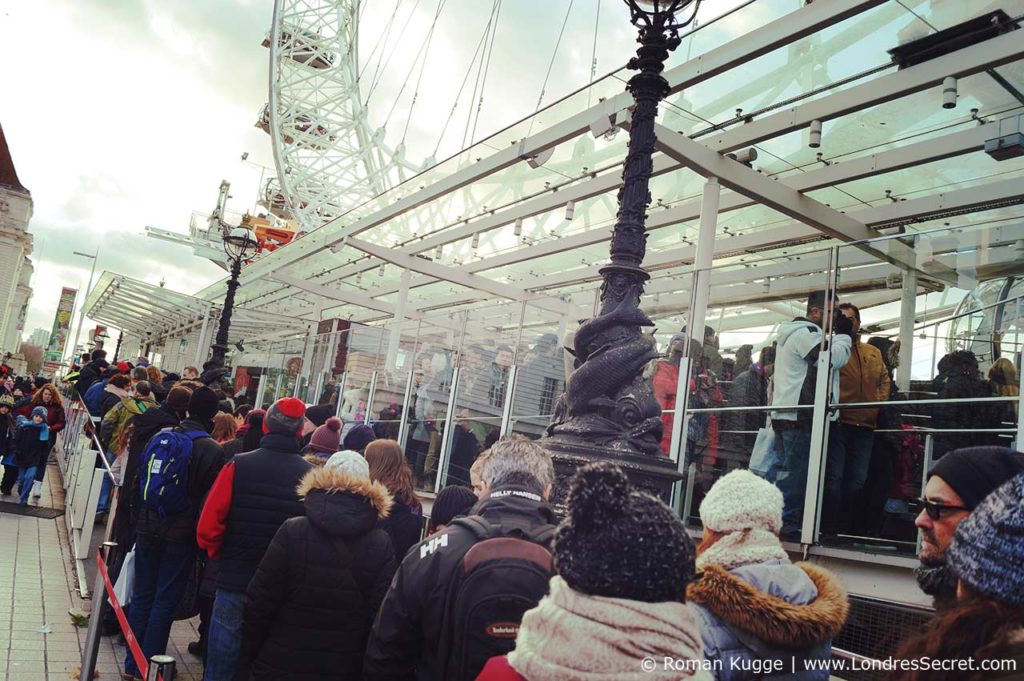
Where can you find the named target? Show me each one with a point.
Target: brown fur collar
(314, 459)
(771, 619)
(331, 480)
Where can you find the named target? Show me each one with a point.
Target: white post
(908, 313)
(370, 396)
(397, 322)
(700, 292)
(403, 418)
(261, 390)
(201, 346)
(81, 315)
(449, 428)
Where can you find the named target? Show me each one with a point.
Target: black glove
(842, 325)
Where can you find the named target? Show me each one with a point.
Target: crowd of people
(305, 550)
(874, 454)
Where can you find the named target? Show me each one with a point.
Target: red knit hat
(287, 415)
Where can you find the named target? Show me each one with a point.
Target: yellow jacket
(863, 379)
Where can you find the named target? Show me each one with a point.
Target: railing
(78, 447)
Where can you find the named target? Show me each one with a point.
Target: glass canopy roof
(526, 214)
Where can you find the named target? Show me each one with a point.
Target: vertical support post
(91, 650)
(307, 360)
(700, 291)
(703, 259)
(398, 321)
(1019, 439)
(203, 340)
(340, 402)
(820, 417)
(403, 419)
(261, 389)
(908, 313)
(449, 426)
(277, 387)
(506, 410)
(371, 394)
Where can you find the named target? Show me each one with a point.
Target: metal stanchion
(91, 649)
(161, 668)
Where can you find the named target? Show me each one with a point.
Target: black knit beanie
(975, 472)
(451, 502)
(620, 542)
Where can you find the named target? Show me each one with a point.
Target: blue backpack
(163, 483)
(94, 397)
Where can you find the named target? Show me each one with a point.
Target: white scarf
(744, 547)
(571, 636)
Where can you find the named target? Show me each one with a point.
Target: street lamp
(239, 245)
(608, 409)
(81, 314)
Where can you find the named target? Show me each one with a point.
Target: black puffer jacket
(309, 610)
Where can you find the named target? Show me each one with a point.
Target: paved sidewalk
(38, 642)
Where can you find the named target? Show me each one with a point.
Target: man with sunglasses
(957, 483)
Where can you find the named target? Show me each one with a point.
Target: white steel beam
(352, 297)
(959, 64)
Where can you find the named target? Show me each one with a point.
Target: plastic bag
(126, 580)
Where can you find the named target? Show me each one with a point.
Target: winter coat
(203, 466)
(144, 427)
(112, 396)
(253, 496)
(863, 379)
(749, 389)
(408, 631)
(31, 443)
(963, 415)
(309, 609)
(116, 419)
(8, 428)
(233, 448)
(796, 370)
(404, 524)
(664, 383)
(772, 612)
(89, 374)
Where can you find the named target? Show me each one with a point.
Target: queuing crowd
(874, 454)
(305, 552)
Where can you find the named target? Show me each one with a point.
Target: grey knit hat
(987, 550)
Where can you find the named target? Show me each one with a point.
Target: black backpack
(504, 574)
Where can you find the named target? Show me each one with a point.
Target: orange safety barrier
(129, 637)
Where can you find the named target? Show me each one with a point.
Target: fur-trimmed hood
(772, 619)
(340, 504)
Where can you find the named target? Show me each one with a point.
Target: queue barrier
(157, 667)
(78, 448)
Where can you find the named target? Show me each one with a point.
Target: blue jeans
(794, 450)
(846, 472)
(225, 638)
(161, 575)
(103, 506)
(26, 476)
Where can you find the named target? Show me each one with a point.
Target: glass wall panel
(541, 370)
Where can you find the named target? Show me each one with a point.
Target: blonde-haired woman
(388, 466)
(1002, 376)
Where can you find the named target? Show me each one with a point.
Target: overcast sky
(127, 113)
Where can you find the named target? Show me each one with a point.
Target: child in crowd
(31, 442)
(7, 430)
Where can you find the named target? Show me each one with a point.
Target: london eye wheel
(328, 157)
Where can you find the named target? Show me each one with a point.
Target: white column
(908, 313)
(699, 294)
(397, 322)
(203, 342)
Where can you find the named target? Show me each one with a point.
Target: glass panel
(541, 371)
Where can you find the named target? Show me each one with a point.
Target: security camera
(745, 156)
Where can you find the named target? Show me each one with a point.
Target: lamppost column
(220, 346)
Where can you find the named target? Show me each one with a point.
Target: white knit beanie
(742, 501)
(351, 463)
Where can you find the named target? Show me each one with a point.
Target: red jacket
(213, 520)
(498, 669)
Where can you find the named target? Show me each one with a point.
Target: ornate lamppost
(239, 245)
(608, 410)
